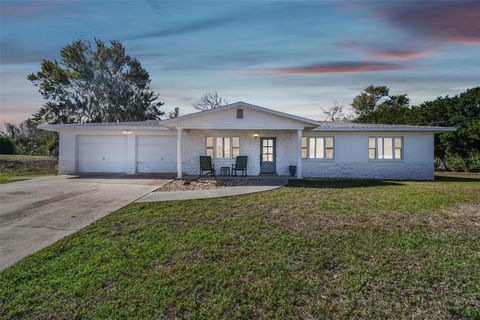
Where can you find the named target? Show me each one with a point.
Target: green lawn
(20, 167)
(314, 249)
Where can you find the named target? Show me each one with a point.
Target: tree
(209, 101)
(460, 111)
(11, 130)
(335, 113)
(6, 145)
(367, 102)
(175, 113)
(95, 82)
(375, 105)
(30, 140)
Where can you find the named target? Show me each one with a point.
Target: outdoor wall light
(255, 135)
(127, 132)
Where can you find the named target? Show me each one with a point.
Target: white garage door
(102, 153)
(156, 153)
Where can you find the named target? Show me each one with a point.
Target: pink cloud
(401, 55)
(340, 68)
(390, 53)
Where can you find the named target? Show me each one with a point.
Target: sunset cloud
(340, 67)
(392, 53)
(456, 21)
(294, 52)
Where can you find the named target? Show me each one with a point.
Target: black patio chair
(207, 166)
(240, 165)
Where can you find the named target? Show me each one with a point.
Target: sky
(292, 56)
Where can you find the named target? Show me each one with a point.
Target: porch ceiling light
(127, 131)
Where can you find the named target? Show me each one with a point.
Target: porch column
(299, 153)
(179, 153)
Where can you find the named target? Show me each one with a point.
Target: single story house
(272, 140)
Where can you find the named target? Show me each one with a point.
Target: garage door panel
(156, 154)
(102, 153)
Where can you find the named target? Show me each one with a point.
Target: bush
(454, 162)
(6, 145)
(474, 162)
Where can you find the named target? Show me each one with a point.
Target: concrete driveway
(38, 212)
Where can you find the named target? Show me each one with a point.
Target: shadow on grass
(340, 184)
(466, 178)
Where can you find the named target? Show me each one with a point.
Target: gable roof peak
(312, 123)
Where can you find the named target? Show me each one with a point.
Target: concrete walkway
(264, 185)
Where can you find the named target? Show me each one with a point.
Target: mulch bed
(204, 184)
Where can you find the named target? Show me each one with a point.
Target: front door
(268, 155)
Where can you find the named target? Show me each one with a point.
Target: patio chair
(240, 165)
(207, 166)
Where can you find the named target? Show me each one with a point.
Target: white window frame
(376, 149)
(224, 151)
(308, 148)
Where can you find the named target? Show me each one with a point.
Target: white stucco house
(272, 140)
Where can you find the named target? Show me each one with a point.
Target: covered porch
(270, 152)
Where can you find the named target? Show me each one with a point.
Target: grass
(312, 250)
(20, 167)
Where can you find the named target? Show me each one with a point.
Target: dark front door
(268, 155)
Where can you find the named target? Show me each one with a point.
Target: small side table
(225, 171)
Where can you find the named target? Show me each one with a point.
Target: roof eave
(435, 130)
(57, 128)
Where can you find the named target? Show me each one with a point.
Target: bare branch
(209, 101)
(335, 113)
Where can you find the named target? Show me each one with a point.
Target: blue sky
(293, 56)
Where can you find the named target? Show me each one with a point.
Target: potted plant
(292, 170)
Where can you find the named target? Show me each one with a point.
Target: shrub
(474, 162)
(6, 145)
(454, 162)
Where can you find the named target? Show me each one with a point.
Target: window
(304, 148)
(329, 147)
(210, 146)
(220, 148)
(385, 148)
(235, 147)
(267, 150)
(239, 113)
(317, 148)
(224, 147)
